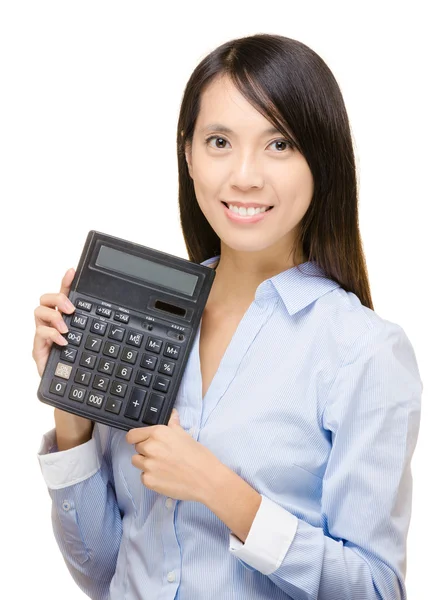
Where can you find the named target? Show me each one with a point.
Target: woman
(285, 472)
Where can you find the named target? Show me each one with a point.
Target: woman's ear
(188, 153)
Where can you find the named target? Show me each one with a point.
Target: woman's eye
(222, 141)
(216, 137)
(283, 142)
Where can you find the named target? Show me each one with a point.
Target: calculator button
(148, 361)
(84, 305)
(161, 383)
(69, 354)
(166, 367)
(143, 378)
(122, 317)
(83, 376)
(104, 311)
(110, 349)
(100, 383)
(106, 366)
(153, 409)
(129, 356)
(87, 360)
(98, 327)
(63, 370)
(135, 404)
(124, 372)
(134, 338)
(171, 350)
(116, 333)
(57, 387)
(74, 337)
(93, 343)
(77, 393)
(118, 389)
(113, 405)
(95, 399)
(79, 321)
(154, 345)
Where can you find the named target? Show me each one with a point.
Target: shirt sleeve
(359, 550)
(86, 519)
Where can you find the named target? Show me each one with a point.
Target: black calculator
(129, 339)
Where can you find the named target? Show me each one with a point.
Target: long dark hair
(293, 88)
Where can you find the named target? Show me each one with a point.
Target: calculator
(136, 315)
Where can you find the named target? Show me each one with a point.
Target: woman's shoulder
(351, 324)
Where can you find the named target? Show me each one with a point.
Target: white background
(89, 101)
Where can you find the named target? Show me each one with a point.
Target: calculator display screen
(147, 270)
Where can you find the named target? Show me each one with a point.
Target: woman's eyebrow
(225, 129)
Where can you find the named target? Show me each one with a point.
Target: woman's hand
(71, 430)
(49, 322)
(172, 463)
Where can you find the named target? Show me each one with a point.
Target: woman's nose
(246, 173)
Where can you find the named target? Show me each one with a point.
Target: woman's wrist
(71, 430)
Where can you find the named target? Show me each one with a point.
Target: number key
(124, 372)
(100, 383)
(106, 366)
(110, 349)
(129, 356)
(87, 360)
(77, 393)
(118, 389)
(93, 343)
(74, 337)
(83, 376)
(57, 387)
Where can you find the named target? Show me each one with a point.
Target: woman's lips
(245, 219)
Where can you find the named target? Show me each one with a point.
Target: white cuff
(67, 467)
(269, 538)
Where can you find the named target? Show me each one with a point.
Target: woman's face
(246, 165)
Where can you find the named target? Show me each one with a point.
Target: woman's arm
(85, 516)
(359, 549)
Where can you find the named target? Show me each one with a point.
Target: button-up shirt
(316, 405)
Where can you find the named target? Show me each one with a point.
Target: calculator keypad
(114, 368)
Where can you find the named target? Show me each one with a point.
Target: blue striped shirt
(315, 404)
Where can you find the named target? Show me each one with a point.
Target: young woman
(285, 472)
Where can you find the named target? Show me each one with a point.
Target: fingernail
(63, 327)
(67, 306)
(62, 341)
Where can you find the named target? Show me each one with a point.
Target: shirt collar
(296, 288)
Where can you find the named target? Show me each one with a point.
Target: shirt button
(171, 577)
(66, 505)
(169, 503)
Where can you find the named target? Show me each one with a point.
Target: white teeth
(247, 212)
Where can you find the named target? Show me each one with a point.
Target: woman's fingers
(48, 316)
(43, 340)
(66, 281)
(59, 301)
(49, 322)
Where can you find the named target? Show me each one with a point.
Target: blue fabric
(316, 404)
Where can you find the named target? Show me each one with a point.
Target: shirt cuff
(268, 540)
(67, 467)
